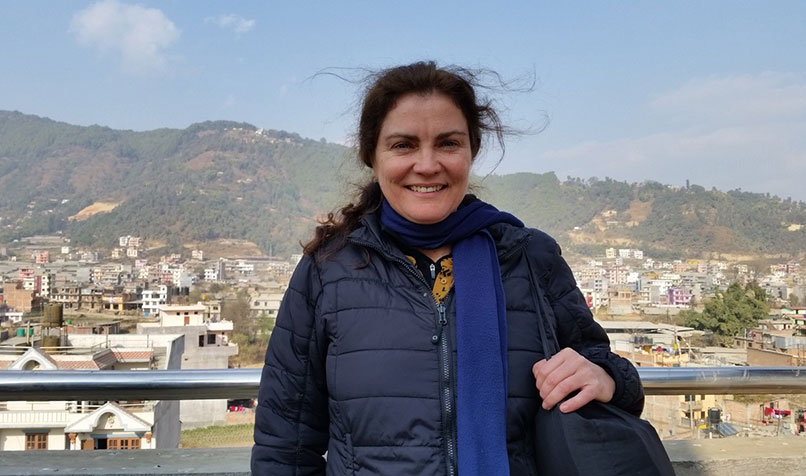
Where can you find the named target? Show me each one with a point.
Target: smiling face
(422, 160)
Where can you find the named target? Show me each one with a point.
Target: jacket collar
(507, 238)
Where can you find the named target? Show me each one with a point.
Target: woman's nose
(427, 162)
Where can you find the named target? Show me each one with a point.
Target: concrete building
(212, 311)
(180, 278)
(181, 315)
(268, 303)
(42, 257)
(676, 296)
(33, 283)
(207, 346)
(68, 296)
(20, 299)
(85, 425)
(47, 283)
(91, 299)
(154, 298)
(211, 274)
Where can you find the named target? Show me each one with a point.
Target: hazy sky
(711, 91)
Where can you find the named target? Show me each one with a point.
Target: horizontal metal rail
(243, 383)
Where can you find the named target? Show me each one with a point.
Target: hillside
(228, 180)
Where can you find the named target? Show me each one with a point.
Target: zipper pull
(433, 271)
(442, 319)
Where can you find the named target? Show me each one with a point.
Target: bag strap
(542, 317)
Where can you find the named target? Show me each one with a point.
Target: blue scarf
(481, 343)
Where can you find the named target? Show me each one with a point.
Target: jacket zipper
(441, 336)
(447, 387)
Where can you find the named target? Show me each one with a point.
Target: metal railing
(244, 383)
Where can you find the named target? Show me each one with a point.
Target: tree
(730, 312)
(238, 311)
(265, 325)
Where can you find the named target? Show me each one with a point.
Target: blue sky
(713, 92)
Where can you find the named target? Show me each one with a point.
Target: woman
(407, 342)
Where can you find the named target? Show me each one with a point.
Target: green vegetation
(249, 332)
(222, 179)
(729, 313)
(224, 436)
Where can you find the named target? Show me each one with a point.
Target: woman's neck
(437, 253)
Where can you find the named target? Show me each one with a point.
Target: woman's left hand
(567, 372)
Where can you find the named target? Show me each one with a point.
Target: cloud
(140, 35)
(738, 99)
(236, 23)
(745, 132)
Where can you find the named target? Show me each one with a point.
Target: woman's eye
(450, 143)
(401, 145)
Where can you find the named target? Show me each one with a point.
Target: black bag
(597, 439)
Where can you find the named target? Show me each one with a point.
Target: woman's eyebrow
(400, 135)
(451, 133)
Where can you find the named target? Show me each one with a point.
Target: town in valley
(214, 306)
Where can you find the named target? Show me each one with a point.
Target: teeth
(434, 188)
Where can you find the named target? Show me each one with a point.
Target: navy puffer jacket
(357, 361)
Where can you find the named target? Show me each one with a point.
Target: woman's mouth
(425, 189)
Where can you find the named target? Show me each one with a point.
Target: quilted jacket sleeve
(291, 422)
(577, 329)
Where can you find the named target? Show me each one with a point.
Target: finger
(562, 390)
(549, 382)
(536, 368)
(547, 366)
(541, 371)
(562, 358)
(577, 401)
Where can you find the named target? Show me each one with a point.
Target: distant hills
(224, 179)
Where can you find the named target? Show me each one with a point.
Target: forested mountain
(232, 180)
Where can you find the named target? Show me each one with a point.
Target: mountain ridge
(233, 180)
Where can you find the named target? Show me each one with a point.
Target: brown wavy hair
(384, 90)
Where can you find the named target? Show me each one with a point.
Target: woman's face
(422, 159)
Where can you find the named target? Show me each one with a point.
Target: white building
(207, 346)
(211, 274)
(6, 314)
(175, 315)
(617, 275)
(153, 299)
(47, 284)
(212, 311)
(129, 241)
(181, 278)
(268, 303)
(84, 425)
